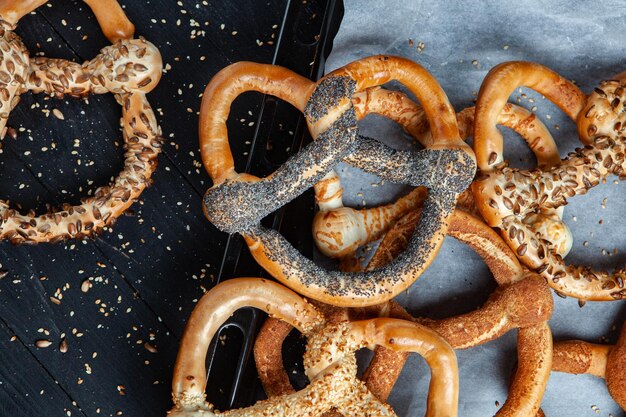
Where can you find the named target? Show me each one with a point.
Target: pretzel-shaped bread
(237, 202)
(129, 69)
(329, 359)
(338, 231)
(523, 301)
(505, 196)
(269, 361)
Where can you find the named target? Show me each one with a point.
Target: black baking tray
(305, 41)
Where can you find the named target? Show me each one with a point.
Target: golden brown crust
(330, 114)
(215, 307)
(11, 11)
(519, 305)
(510, 198)
(378, 70)
(395, 106)
(534, 355)
(128, 69)
(472, 231)
(524, 123)
(383, 371)
(395, 240)
(513, 305)
(465, 227)
(404, 336)
(221, 91)
(142, 136)
(267, 353)
(616, 370)
(495, 90)
(329, 359)
(341, 231)
(604, 361)
(112, 19)
(578, 357)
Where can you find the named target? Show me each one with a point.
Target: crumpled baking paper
(458, 42)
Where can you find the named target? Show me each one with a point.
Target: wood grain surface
(113, 308)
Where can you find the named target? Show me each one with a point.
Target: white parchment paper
(459, 42)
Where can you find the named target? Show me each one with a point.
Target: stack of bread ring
(511, 218)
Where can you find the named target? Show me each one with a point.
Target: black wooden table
(118, 303)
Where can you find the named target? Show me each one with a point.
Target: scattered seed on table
(43, 343)
(63, 346)
(57, 113)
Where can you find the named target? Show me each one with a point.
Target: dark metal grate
(302, 46)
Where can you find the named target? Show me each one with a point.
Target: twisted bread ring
(129, 69)
(329, 360)
(523, 301)
(237, 202)
(339, 231)
(505, 195)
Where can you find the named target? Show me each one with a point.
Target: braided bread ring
(339, 231)
(523, 301)
(505, 195)
(329, 360)
(129, 69)
(236, 203)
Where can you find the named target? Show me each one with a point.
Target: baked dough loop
(238, 202)
(507, 196)
(523, 301)
(339, 231)
(129, 69)
(329, 360)
(269, 361)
